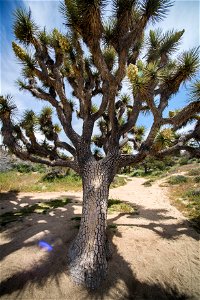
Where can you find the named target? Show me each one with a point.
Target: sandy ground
(155, 253)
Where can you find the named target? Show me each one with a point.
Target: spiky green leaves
(60, 41)
(170, 41)
(46, 124)
(123, 11)
(155, 10)
(109, 32)
(142, 77)
(26, 59)
(186, 67)
(164, 139)
(120, 6)
(109, 56)
(29, 122)
(24, 27)
(84, 17)
(7, 107)
(138, 132)
(195, 91)
(189, 63)
(162, 44)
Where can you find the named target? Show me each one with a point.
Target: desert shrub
(156, 173)
(197, 179)
(116, 205)
(56, 176)
(169, 161)
(177, 179)
(23, 168)
(194, 172)
(27, 168)
(148, 182)
(183, 161)
(137, 173)
(193, 194)
(39, 168)
(118, 181)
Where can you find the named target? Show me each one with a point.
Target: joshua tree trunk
(89, 251)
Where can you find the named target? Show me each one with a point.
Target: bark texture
(88, 253)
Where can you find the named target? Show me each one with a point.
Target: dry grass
(186, 197)
(33, 182)
(37, 182)
(116, 205)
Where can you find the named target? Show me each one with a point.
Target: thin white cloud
(46, 13)
(184, 15)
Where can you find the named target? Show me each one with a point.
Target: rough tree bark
(90, 250)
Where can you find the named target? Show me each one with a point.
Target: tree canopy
(96, 56)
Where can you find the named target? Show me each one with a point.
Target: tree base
(89, 268)
(90, 277)
(87, 271)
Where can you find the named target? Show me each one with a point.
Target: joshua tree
(95, 57)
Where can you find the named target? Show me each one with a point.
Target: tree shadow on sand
(51, 268)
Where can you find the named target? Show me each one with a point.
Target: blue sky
(183, 15)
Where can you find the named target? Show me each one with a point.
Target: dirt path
(155, 253)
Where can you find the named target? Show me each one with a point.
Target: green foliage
(118, 181)
(24, 27)
(27, 168)
(109, 31)
(7, 106)
(161, 45)
(109, 56)
(197, 179)
(116, 205)
(189, 63)
(183, 161)
(27, 60)
(112, 226)
(170, 42)
(193, 194)
(155, 10)
(33, 182)
(194, 172)
(195, 91)
(29, 122)
(56, 176)
(164, 139)
(148, 182)
(23, 168)
(179, 179)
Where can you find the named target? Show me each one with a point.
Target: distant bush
(118, 181)
(27, 168)
(177, 179)
(193, 194)
(148, 182)
(183, 161)
(56, 176)
(23, 168)
(156, 173)
(197, 179)
(116, 205)
(194, 172)
(137, 173)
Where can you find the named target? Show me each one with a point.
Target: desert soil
(155, 252)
